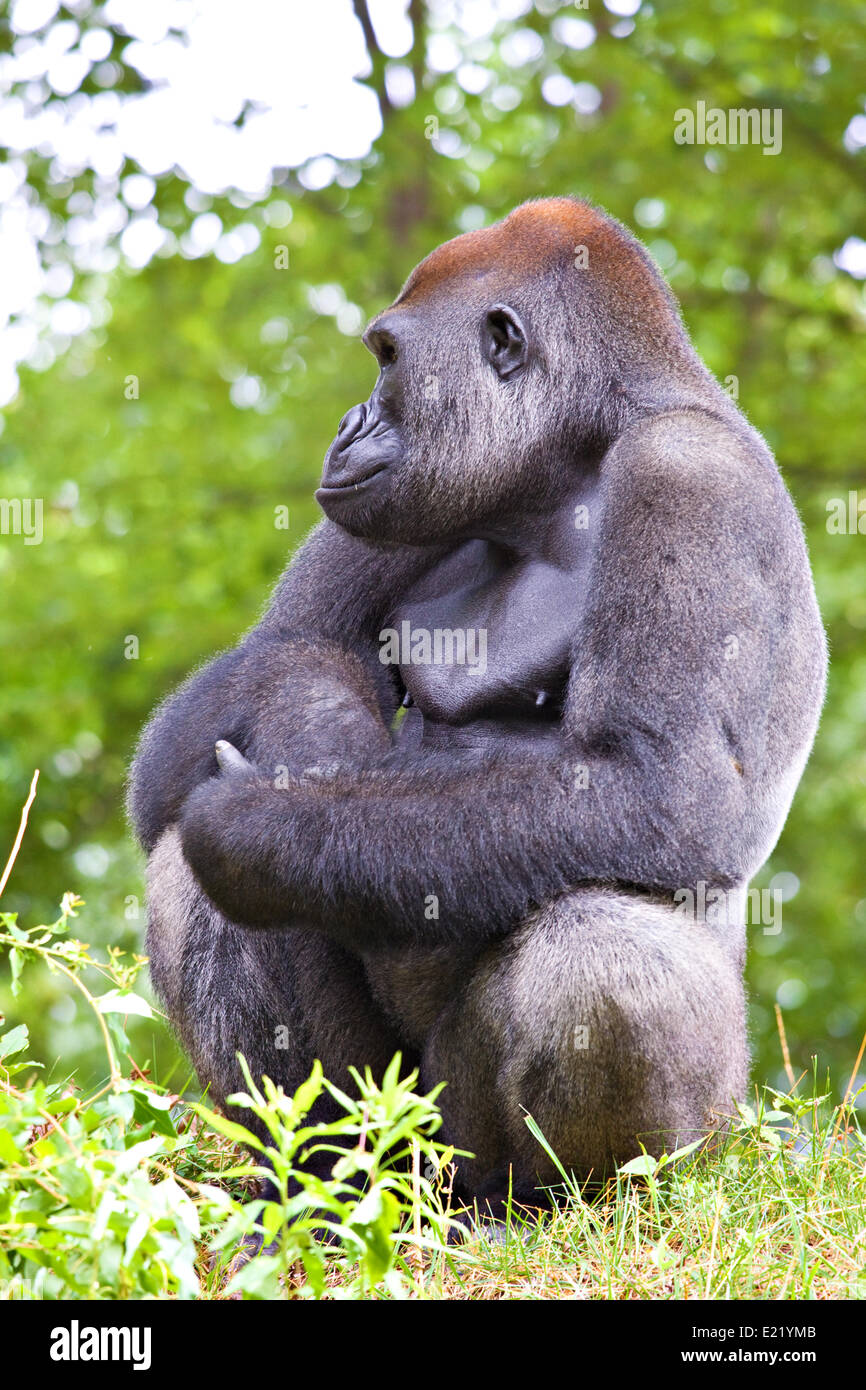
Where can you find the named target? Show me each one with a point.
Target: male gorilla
(495, 884)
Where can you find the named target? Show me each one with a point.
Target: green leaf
(152, 1108)
(644, 1166)
(259, 1278)
(9, 1151)
(309, 1091)
(15, 1040)
(16, 962)
(62, 1106)
(681, 1153)
(124, 1002)
(135, 1235)
(233, 1131)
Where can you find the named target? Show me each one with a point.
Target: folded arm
(643, 790)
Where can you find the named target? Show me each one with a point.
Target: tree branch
(376, 56)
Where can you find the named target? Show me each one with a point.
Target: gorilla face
(440, 440)
(362, 464)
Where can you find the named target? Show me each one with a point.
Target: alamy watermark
(719, 907)
(77, 1343)
(739, 126)
(440, 646)
(847, 516)
(22, 516)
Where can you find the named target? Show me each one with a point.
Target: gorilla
(548, 671)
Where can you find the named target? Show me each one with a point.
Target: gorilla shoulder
(718, 457)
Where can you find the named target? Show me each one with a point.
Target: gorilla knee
(609, 1022)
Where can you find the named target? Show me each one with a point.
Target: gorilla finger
(229, 759)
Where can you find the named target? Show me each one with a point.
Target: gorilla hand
(220, 828)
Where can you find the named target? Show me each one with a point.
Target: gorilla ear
(505, 344)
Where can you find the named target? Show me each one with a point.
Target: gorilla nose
(351, 425)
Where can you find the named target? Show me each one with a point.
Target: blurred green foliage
(162, 513)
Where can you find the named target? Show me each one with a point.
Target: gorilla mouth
(350, 484)
(367, 443)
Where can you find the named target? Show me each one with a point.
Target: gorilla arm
(664, 775)
(304, 685)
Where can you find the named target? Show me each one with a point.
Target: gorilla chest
(485, 641)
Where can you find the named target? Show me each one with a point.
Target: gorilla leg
(612, 1020)
(282, 997)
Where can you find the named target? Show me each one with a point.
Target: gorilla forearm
(325, 708)
(365, 855)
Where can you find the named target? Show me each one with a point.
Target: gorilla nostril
(351, 424)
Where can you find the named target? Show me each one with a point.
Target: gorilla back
(553, 537)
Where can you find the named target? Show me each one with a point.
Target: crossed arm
(642, 791)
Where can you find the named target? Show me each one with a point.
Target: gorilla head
(511, 355)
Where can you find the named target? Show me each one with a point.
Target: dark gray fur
(553, 831)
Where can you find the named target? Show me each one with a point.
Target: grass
(754, 1222)
(746, 1225)
(130, 1192)
(777, 1212)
